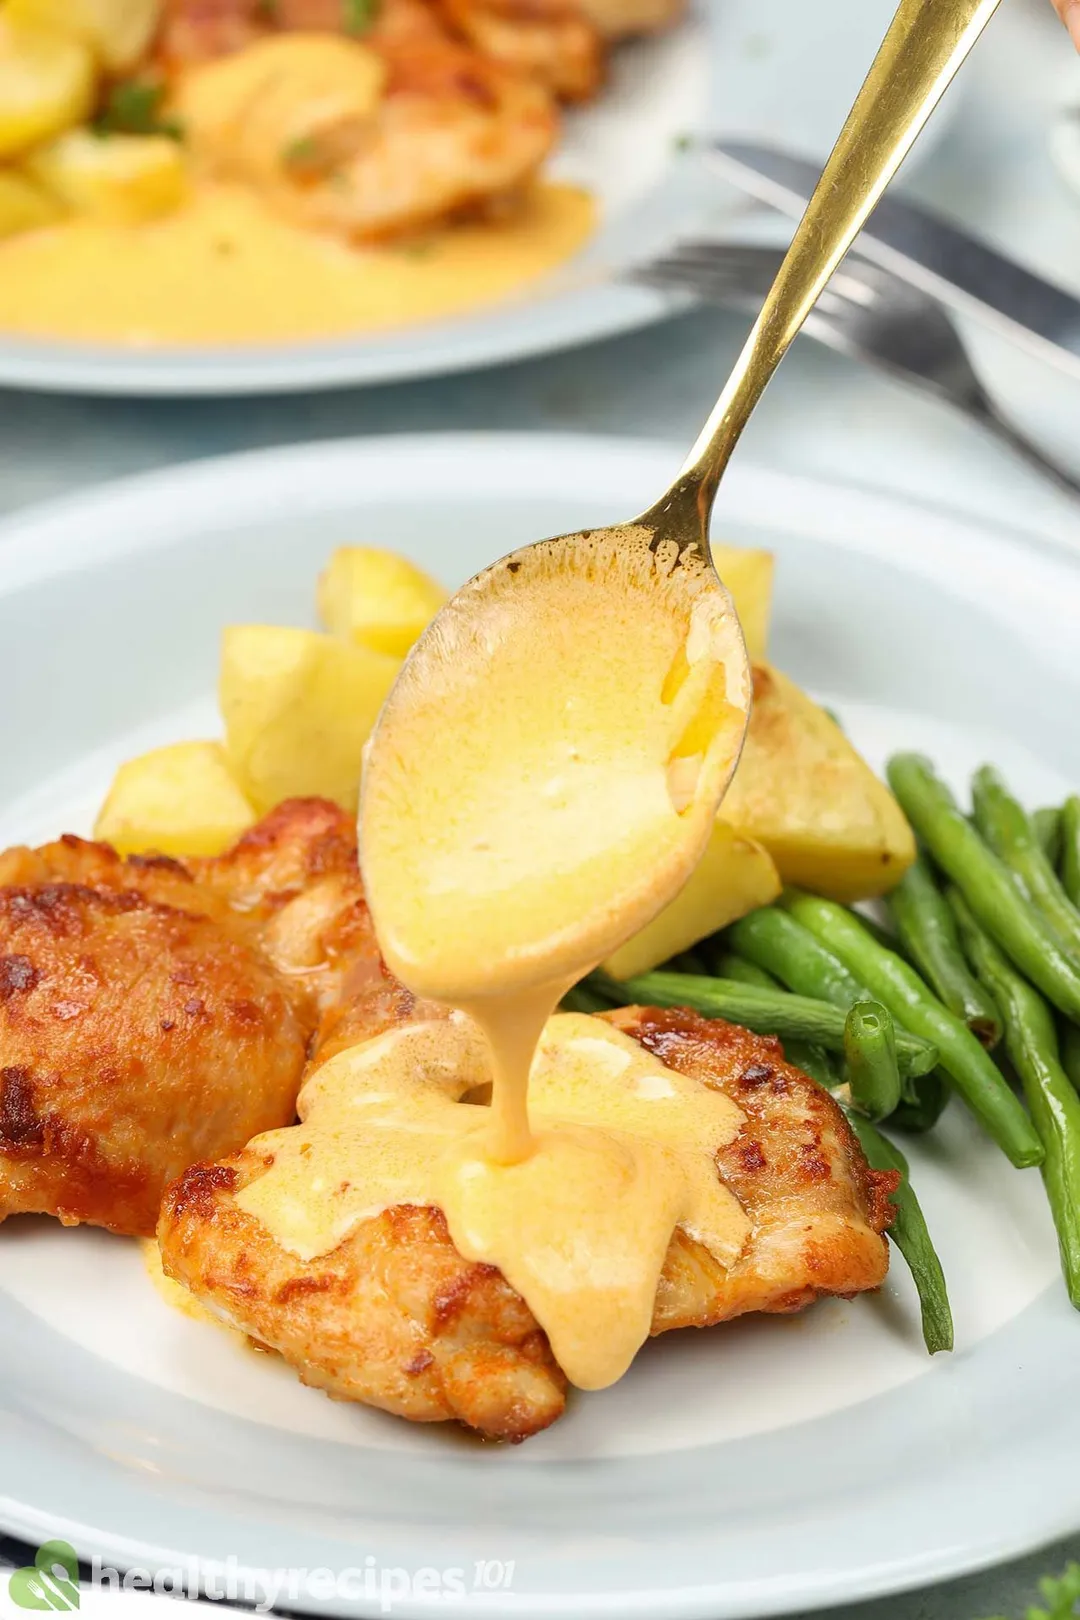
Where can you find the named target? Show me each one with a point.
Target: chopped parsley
(302, 153)
(1061, 1596)
(133, 107)
(359, 15)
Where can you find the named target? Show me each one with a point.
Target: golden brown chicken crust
(194, 31)
(816, 1207)
(625, 19)
(454, 132)
(294, 882)
(154, 1012)
(552, 41)
(290, 887)
(817, 1215)
(393, 1317)
(134, 1038)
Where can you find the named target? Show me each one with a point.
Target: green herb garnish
(1061, 1596)
(302, 153)
(359, 15)
(133, 107)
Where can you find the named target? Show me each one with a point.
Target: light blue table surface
(822, 417)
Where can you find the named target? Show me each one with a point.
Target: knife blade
(959, 269)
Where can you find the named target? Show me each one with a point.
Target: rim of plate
(521, 330)
(79, 532)
(41, 538)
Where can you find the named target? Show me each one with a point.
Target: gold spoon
(547, 770)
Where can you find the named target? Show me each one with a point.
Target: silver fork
(864, 313)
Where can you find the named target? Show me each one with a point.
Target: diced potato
(298, 708)
(748, 575)
(377, 599)
(118, 31)
(123, 179)
(47, 83)
(180, 800)
(800, 788)
(24, 206)
(735, 875)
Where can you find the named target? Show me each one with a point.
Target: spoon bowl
(626, 656)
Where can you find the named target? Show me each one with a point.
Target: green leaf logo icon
(51, 1582)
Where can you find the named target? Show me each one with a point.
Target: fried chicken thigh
(624, 19)
(449, 131)
(552, 41)
(155, 1012)
(394, 1317)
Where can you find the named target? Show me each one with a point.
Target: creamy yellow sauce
(224, 269)
(543, 779)
(182, 1300)
(628, 1143)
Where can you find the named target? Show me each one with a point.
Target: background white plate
(786, 70)
(770, 1465)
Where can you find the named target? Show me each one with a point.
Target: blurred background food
(277, 137)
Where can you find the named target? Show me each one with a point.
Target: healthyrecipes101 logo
(50, 1582)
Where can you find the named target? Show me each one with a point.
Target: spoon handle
(926, 44)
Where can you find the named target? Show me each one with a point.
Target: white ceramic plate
(733, 66)
(766, 1466)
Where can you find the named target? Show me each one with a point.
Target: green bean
(730, 966)
(925, 1100)
(768, 1012)
(813, 1061)
(912, 1237)
(773, 940)
(805, 1055)
(870, 1060)
(1047, 824)
(928, 930)
(583, 998)
(899, 987)
(1070, 848)
(1007, 828)
(1031, 1043)
(985, 882)
(1070, 1052)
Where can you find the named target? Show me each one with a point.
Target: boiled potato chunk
(748, 575)
(801, 789)
(180, 800)
(735, 875)
(122, 179)
(118, 31)
(47, 83)
(24, 206)
(377, 599)
(298, 708)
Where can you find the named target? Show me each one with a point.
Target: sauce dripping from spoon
(543, 780)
